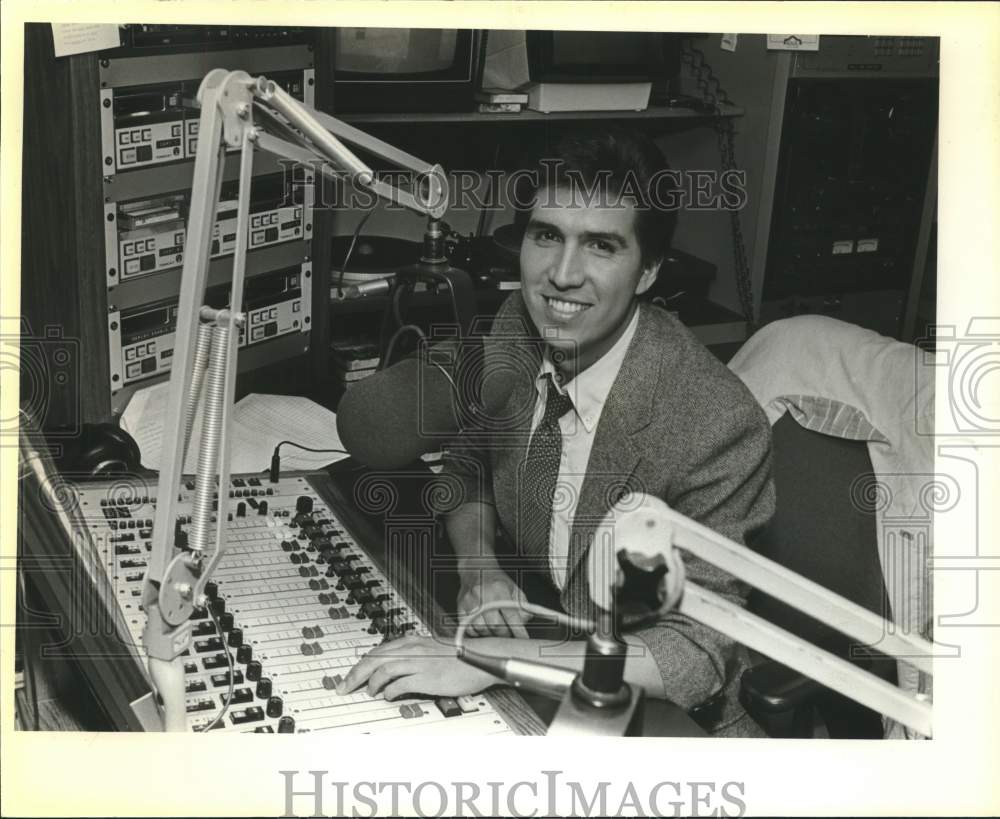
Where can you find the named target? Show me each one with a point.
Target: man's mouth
(561, 307)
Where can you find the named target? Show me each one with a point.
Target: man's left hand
(415, 665)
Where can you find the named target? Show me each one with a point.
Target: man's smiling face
(581, 268)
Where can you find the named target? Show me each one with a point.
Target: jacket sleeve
(729, 489)
(466, 467)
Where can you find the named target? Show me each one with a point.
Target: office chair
(824, 529)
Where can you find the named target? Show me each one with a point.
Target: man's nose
(567, 269)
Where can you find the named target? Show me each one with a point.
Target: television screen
(410, 51)
(395, 70)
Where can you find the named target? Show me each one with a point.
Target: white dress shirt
(587, 392)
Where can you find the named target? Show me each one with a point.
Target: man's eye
(602, 246)
(545, 237)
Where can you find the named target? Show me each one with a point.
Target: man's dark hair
(610, 166)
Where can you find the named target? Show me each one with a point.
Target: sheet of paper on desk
(264, 420)
(143, 420)
(259, 422)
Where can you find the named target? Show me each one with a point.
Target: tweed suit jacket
(676, 424)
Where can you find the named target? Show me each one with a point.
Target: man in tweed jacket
(653, 411)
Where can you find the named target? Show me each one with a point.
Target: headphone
(100, 449)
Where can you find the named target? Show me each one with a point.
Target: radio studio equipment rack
(110, 139)
(141, 340)
(149, 126)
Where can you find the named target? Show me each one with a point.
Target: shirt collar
(589, 390)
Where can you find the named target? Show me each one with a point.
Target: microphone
(378, 287)
(549, 680)
(392, 417)
(397, 414)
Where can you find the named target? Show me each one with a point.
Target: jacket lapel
(517, 352)
(615, 458)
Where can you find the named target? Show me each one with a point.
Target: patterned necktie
(539, 473)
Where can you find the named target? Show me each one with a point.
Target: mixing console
(298, 602)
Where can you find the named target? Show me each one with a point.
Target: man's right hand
(481, 586)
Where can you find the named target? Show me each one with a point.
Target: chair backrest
(824, 529)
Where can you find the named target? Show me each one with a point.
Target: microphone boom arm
(237, 111)
(648, 531)
(635, 544)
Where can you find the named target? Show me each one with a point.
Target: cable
(411, 328)
(567, 620)
(446, 374)
(275, 469)
(308, 448)
(232, 680)
(350, 247)
(727, 150)
(711, 89)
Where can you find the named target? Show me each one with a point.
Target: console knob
(286, 725)
(244, 653)
(218, 606)
(264, 688)
(236, 638)
(226, 621)
(274, 707)
(254, 670)
(303, 505)
(211, 589)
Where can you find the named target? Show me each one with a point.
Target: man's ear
(648, 277)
